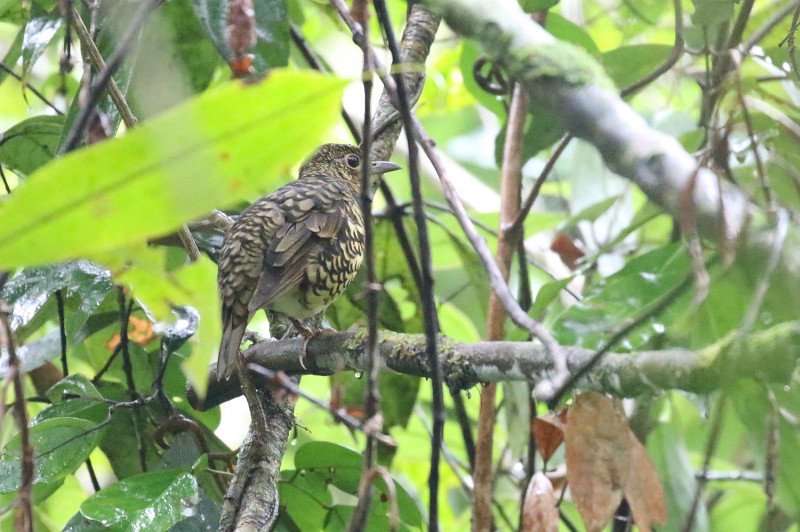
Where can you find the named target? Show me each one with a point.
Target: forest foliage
(109, 319)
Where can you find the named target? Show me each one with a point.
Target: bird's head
(343, 161)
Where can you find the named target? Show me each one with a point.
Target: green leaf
(565, 30)
(627, 64)
(305, 498)
(84, 286)
(622, 296)
(75, 384)
(149, 501)
(342, 467)
(31, 143)
(272, 28)
(60, 446)
(531, 6)
(94, 410)
(15, 50)
(708, 12)
(39, 31)
(205, 153)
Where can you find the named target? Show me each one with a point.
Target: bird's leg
(307, 335)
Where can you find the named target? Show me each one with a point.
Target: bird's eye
(352, 161)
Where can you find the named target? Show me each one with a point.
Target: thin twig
(537, 186)
(104, 77)
(510, 191)
(24, 520)
(669, 62)
(62, 331)
(711, 445)
(372, 398)
(3, 178)
(765, 29)
(27, 85)
(427, 295)
(654, 309)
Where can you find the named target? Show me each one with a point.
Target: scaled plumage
(295, 250)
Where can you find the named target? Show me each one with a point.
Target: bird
(297, 249)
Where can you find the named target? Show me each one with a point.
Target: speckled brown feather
(293, 251)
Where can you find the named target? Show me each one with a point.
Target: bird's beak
(381, 167)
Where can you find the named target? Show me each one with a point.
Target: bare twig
(24, 520)
(30, 87)
(674, 56)
(104, 77)
(427, 295)
(372, 398)
(711, 445)
(339, 415)
(765, 29)
(510, 191)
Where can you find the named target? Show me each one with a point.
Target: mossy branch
(769, 356)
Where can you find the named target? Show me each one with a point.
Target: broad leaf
(205, 153)
(60, 446)
(149, 501)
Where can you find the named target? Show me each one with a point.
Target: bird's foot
(307, 335)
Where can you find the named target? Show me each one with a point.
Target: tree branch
(769, 356)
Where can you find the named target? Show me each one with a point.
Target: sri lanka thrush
(295, 250)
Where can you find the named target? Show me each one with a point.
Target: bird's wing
(312, 214)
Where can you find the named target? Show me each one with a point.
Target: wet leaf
(155, 500)
(539, 511)
(39, 31)
(60, 446)
(75, 384)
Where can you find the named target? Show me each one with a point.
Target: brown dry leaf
(565, 247)
(549, 432)
(644, 491)
(240, 32)
(597, 457)
(539, 511)
(139, 331)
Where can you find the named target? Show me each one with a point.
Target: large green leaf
(148, 501)
(205, 153)
(60, 446)
(31, 143)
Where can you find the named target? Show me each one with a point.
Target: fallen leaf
(644, 491)
(549, 432)
(597, 456)
(539, 511)
(606, 462)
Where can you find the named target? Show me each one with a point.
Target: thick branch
(770, 356)
(565, 80)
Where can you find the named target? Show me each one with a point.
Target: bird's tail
(229, 346)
